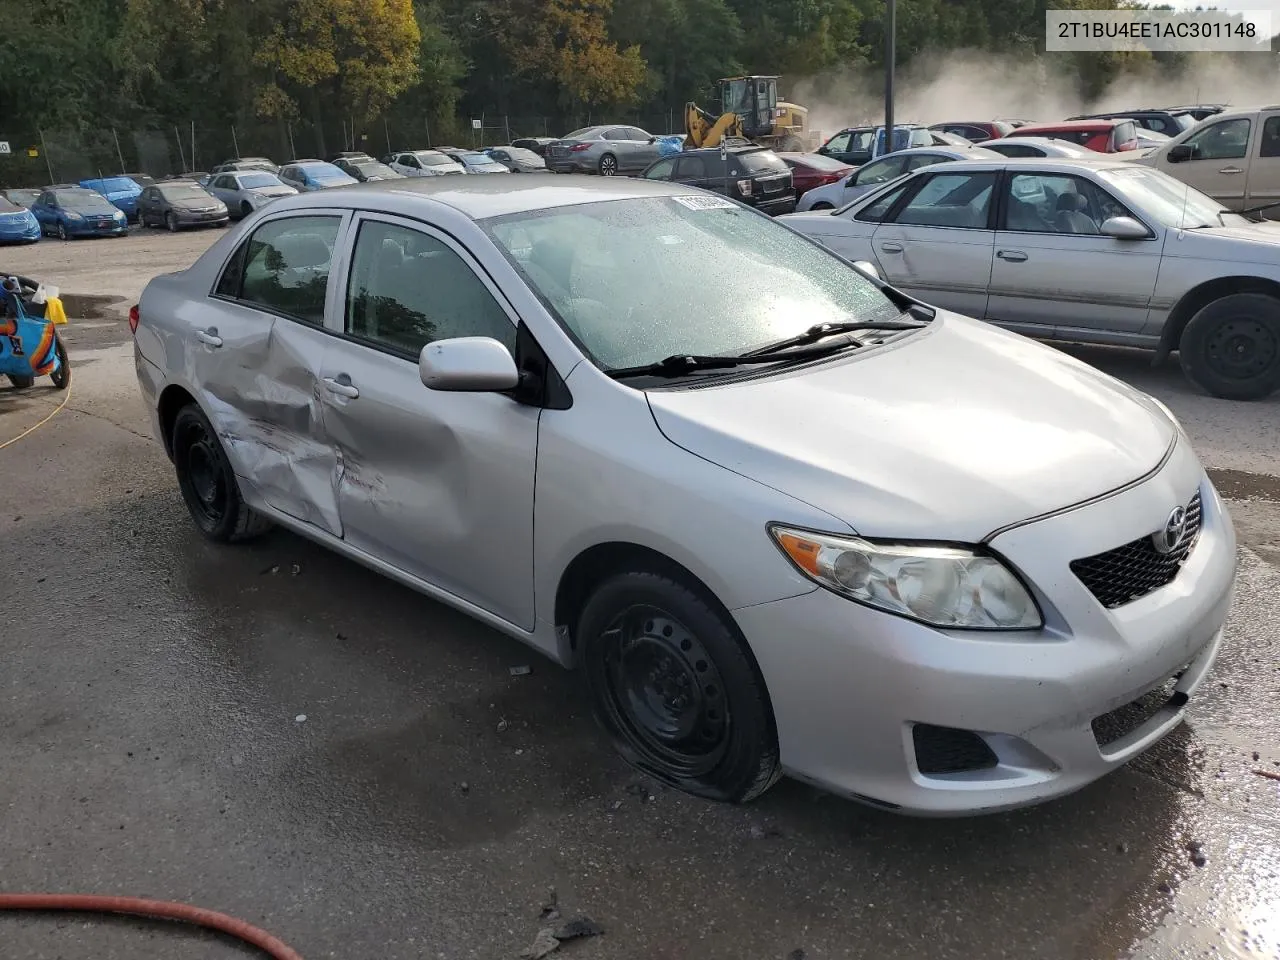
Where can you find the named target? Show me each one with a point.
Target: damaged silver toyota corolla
(782, 518)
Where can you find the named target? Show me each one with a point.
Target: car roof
(1047, 164)
(1120, 114)
(482, 197)
(1093, 123)
(731, 148)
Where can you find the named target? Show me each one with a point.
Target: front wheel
(245, 209)
(673, 685)
(62, 231)
(208, 483)
(823, 205)
(62, 376)
(171, 222)
(1231, 347)
(608, 165)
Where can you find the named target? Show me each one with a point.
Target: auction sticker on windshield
(705, 203)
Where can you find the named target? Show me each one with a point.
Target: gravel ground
(151, 685)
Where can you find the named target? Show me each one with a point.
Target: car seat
(1071, 216)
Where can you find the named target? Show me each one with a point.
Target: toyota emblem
(1175, 528)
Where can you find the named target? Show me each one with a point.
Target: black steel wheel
(208, 483)
(608, 165)
(62, 231)
(62, 376)
(672, 683)
(22, 383)
(1231, 347)
(171, 222)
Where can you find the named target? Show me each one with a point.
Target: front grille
(947, 750)
(1123, 720)
(1135, 569)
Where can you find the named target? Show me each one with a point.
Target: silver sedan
(606, 150)
(875, 174)
(245, 191)
(823, 530)
(1096, 250)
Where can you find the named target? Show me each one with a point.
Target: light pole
(890, 29)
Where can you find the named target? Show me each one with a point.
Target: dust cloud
(975, 85)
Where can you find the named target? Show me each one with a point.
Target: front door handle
(891, 247)
(209, 337)
(1013, 256)
(1232, 170)
(342, 386)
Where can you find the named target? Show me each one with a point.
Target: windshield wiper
(820, 331)
(680, 364)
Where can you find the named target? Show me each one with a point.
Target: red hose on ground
(161, 909)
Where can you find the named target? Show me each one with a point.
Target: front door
(1219, 160)
(1055, 274)
(937, 245)
(439, 485)
(258, 345)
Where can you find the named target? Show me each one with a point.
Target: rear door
(646, 152)
(1054, 274)
(1264, 166)
(937, 241)
(439, 485)
(256, 351)
(694, 170)
(1219, 160)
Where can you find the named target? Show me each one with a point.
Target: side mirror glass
(1123, 228)
(868, 268)
(1180, 152)
(468, 365)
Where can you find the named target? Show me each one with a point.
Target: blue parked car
(121, 191)
(17, 223)
(70, 212)
(304, 175)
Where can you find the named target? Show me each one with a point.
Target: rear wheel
(608, 165)
(823, 205)
(21, 383)
(62, 376)
(1231, 347)
(208, 483)
(791, 144)
(673, 685)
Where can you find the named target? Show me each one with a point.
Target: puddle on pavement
(1242, 485)
(89, 306)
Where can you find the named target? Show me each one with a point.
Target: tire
(245, 209)
(673, 685)
(791, 144)
(208, 483)
(142, 220)
(171, 222)
(1231, 347)
(22, 383)
(62, 231)
(823, 205)
(62, 376)
(608, 165)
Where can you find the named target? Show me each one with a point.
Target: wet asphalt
(275, 732)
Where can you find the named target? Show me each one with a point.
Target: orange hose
(165, 910)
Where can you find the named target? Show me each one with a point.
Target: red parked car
(809, 170)
(1104, 136)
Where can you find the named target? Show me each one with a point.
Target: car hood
(948, 434)
(195, 203)
(1247, 242)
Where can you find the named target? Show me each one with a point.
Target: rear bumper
(571, 165)
(777, 206)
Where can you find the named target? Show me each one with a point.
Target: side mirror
(653, 139)
(468, 365)
(1180, 152)
(1123, 228)
(868, 268)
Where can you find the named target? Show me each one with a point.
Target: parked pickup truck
(1233, 156)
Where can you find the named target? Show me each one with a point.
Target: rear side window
(661, 170)
(284, 267)
(692, 168)
(1270, 145)
(1124, 133)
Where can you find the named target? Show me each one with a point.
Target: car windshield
(323, 171)
(86, 200)
(183, 191)
(621, 277)
(762, 161)
(430, 159)
(117, 185)
(1171, 201)
(372, 168)
(8, 206)
(252, 181)
(479, 160)
(26, 197)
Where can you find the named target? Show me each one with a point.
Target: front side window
(619, 276)
(408, 289)
(1227, 140)
(1056, 203)
(1270, 145)
(692, 168)
(951, 200)
(839, 143)
(286, 267)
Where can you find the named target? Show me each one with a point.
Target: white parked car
(823, 530)
(872, 175)
(1038, 147)
(423, 163)
(1099, 250)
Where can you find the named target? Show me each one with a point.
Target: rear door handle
(1013, 256)
(1231, 170)
(342, 386)
(891, 247)
(209, 337)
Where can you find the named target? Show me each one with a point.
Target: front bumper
(84, 229)
(20, 233)
(849, 684)
(202, 219)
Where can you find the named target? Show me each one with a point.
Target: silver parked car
(875, 174)
(1092, 250)
(826, 530)
(246, 191)
(606, 150)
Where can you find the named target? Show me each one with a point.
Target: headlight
(72, 215)
(119, 215)
(939, 585)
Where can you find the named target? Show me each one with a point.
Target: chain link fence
(41, 157)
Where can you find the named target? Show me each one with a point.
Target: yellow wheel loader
(752, 111)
